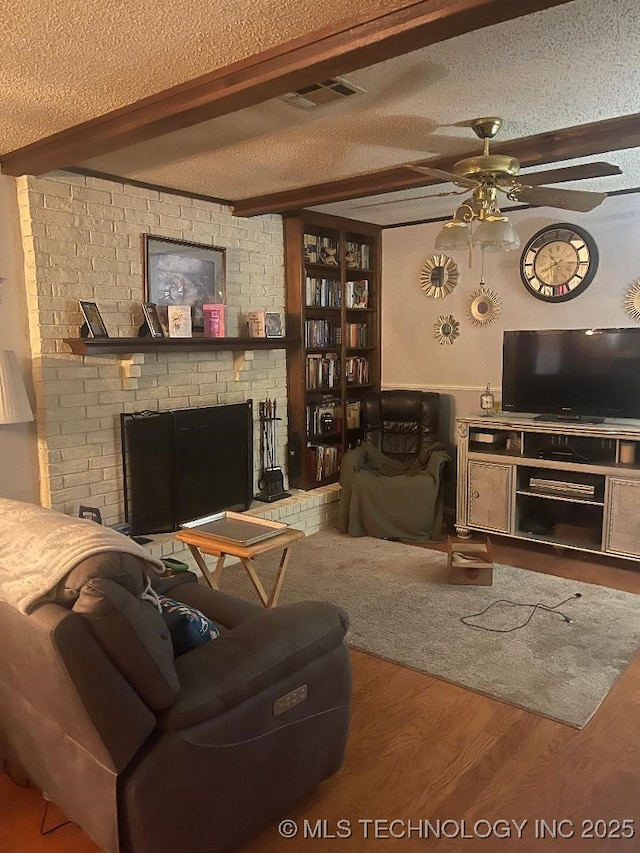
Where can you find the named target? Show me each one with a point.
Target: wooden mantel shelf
(103, 346)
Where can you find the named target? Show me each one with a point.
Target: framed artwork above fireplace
(177, 272)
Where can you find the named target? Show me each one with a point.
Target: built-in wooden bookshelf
(333, 309)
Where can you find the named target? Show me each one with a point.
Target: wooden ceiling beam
(334, 50)
(584, 140)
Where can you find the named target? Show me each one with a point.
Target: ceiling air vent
(320, 94)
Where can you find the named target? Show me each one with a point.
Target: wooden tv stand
(570, 484)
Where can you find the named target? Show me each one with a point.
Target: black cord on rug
(534, 607)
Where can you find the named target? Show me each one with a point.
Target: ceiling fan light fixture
(454, 236)
(495, 233)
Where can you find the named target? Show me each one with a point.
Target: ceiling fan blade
(570, 173)
(449, 177)
(563, 199)
(408, 199)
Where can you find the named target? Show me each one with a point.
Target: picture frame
(150, 311)
(93, 320)
(178, 272)
(273, 324)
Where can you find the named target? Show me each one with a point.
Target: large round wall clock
(559, 262)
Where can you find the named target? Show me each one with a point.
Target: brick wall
(82, 239)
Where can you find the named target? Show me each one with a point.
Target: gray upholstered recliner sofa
(148, 753)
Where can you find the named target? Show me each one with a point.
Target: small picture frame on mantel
(93, 326)
(273, 324)
(152, 324)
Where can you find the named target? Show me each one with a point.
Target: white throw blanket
(38, 547)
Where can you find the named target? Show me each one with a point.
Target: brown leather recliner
(401, 423)
(151, 754)
(392, 483)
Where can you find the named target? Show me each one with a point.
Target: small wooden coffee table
(200, 543)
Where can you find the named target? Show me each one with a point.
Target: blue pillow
(189, 628)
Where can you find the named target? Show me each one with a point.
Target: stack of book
(323, 460)
(322, 293)
(357, 334)
(322, 370)
(322, 333)
(357, 370)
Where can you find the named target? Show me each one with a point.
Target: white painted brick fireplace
(83, 239)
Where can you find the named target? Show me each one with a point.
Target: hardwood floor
(424, 750)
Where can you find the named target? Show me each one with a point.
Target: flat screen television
(573, 374)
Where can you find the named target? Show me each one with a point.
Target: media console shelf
(569, 484)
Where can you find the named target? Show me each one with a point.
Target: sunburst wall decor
(632, 301)
(439, 276)
(484, 306)
(446, 329)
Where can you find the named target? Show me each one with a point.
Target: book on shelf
(179, 321)
(357, 294)
(256, 324)
(214, 320)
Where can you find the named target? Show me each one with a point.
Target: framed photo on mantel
(150, 311)
(94, 326)
(177, 272)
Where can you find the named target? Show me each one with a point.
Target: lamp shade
(14, 404)
(454, 236)
(496, 234)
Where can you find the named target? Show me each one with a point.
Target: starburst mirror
(632, 301)
(484, 306)
(439, 276)
(446, 329)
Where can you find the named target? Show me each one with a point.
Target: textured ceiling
(67, 61)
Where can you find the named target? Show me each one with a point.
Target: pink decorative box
(214, 325)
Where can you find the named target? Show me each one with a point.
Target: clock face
(559, 262)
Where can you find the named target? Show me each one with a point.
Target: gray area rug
(403, 609)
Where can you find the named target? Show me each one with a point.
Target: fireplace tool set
(271, 483)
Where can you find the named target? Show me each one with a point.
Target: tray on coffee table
(235, 527)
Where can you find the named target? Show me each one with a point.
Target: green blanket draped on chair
(389, 499)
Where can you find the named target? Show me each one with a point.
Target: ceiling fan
(492, 173)
(488, 174)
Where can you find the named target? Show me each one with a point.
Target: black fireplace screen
(186, 463)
